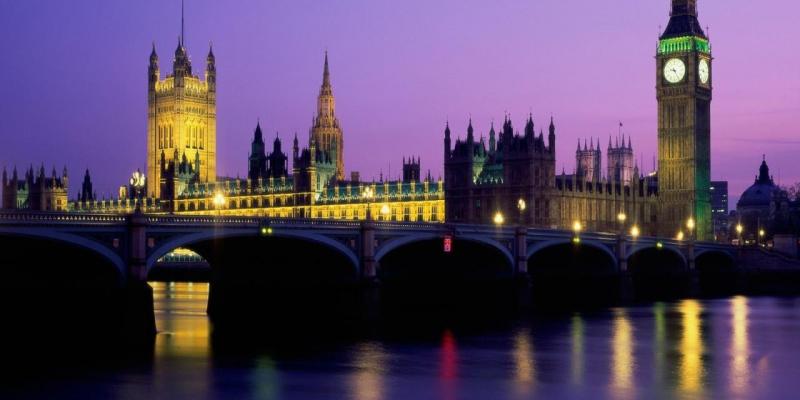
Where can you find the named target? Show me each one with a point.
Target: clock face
(703, 70)
(674, 70)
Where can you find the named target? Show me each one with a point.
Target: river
(739, 347)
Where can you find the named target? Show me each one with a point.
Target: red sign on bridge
(448, 243)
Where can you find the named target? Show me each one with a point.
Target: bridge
(288, 255)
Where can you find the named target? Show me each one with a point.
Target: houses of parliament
(512, 174)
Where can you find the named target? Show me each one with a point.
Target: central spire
(683, 20)
(326, 88)
(684, 7)
(183, 35)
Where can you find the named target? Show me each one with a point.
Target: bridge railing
(12, 217)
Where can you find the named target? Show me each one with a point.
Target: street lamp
(621, 218)
(385, 211)
(499, 219)
(577, 227)
(219, 202)
(635, 231)
(368, 194)
(680, 236)
(739, 230)
(521, 206)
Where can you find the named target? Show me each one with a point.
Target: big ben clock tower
(683, 86)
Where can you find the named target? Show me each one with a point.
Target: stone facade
(181, 118)
(684, 87)
(35, 191)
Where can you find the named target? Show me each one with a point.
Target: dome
(760, 193)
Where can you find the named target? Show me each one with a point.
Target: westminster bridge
(281, 262)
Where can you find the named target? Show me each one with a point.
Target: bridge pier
(138, 319)
(369, 286)
(694, 276)
(626, 286)
(522, 279)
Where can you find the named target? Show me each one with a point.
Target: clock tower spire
(683, 91)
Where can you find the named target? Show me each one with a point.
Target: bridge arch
(658, 272)
(639, 248)
(72, 239)
(564, 273)
(539, 246)
(397, 243)
(203, 236)
(419, 278)
(717, 272)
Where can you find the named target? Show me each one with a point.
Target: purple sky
(73, 76)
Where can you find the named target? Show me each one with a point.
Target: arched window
(171, 145)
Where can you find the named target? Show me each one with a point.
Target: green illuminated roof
(682, 44)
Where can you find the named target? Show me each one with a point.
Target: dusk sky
(74, 77)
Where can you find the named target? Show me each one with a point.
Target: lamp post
(219, 202)
(499, 219)
(385, 211)
(739, 230)
(621, 218)
(761, 234)
(521, 206)
(368, 194)
(635, 232)
(577, 227)
(621, 247)
(690, 225)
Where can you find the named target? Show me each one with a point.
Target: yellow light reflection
(740, 347)
(659, 318)
(691, 369)
(622, 360)
(181, 320)
(525, 369)
(577, 349)
(370, 367)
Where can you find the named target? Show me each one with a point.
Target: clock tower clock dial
(703, 71)
(683, 91)
(674, 70)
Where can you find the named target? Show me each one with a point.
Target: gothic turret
(87, 193)
(153, 72)
(211, 70)
(447, 142)
(551, 138)
(492, 140)
(258, 159)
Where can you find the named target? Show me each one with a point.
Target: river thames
(736, 347)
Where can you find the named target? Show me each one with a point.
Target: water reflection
(691, 369)
(448, 370)
(740, 347)
(577, 357)
(182, 349)
(622, 360)
(659, 342)
(633, 352)
(370, 368)
(183, 328)
(525, 369)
